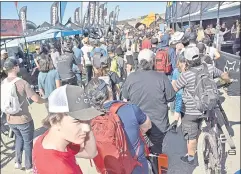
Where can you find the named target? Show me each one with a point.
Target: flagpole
(81, 12)
(201, 14)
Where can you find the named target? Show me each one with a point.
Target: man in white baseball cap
(151, 91)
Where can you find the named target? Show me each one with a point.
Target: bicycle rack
(222, 138)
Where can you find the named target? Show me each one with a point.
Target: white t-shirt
(86, 49)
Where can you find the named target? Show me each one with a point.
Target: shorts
(190, 126)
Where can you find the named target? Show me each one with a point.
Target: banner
(96, 13)
(230, 63)
(111, 15)
(62, 10)
(23, 17)
(76, 16)
(101, 15)
(54, 13)
(149, 19)
(91, 13)
(11, 27)
(105, 11)
(16, 4)
(86, 20)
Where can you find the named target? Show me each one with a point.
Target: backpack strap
(13, 81)
(115, 107)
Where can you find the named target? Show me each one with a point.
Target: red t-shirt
(47, 161)
(146, 44)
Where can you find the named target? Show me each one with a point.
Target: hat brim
(85, 114)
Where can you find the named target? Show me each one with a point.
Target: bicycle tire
(201, 149)
(6, 144)
(224, 129)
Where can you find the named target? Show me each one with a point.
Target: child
(181, 66)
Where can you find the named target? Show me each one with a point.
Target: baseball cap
(191, 53)
(72, 100)
(3, 52)
(146, 54)
(9, 64)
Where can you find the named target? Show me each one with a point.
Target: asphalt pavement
(174, 144)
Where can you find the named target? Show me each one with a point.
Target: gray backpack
(205, 94)
(99, 60)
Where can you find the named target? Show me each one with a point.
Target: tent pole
(218, 28)
(201, 22)
(81, 12)
(25, 42)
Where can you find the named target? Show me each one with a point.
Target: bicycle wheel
(7, 141)
(207, 154)
(222, 124)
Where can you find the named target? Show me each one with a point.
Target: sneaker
(185, 160)
(30, 171)
(17, 166)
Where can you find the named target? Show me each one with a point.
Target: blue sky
(38, 12)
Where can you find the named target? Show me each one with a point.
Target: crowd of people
(146, 73)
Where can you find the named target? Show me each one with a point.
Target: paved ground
(174, 144)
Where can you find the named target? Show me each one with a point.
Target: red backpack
(113, 156)
(162, 62)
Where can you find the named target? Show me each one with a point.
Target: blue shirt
(98, 49)
(176, 74)
(78, 54)
(132, 117)
(47, 81)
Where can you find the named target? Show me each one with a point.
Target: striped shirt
(186, 81)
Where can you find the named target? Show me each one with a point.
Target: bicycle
(7, 135)
(211, 142)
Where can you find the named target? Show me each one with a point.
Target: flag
(96, 13)
(101, 15)
(91, 12)
(105, 12)
(76, 16)
(63, 5)
(149, 19)
(54, 13)
(23, 17)
(111, 15)
(16, 4)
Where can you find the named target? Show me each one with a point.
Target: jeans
(24, 141)
(89, 73)
(79, 77)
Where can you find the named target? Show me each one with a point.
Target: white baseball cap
(147, 55)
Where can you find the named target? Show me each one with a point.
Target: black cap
(9, 64)
(154, 40)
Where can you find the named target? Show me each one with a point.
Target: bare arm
(226, 77)
(146, 125)
(36, 62)
(216, 54)
(37, 99)
(58, 83)
(89, 151)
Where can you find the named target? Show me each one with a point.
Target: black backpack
(206, 95)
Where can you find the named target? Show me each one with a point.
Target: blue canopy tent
(67, 33)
